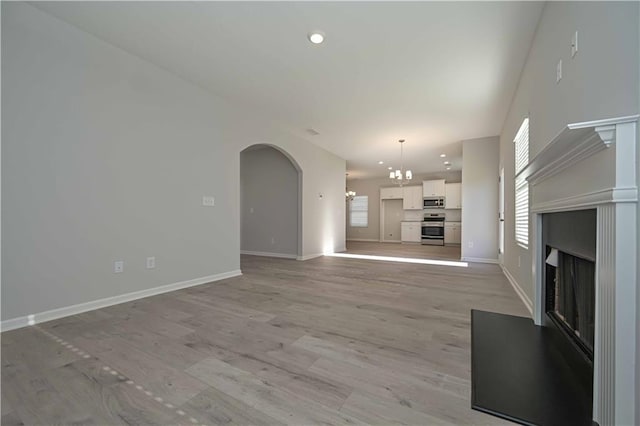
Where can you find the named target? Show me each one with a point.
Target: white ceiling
(433, 73)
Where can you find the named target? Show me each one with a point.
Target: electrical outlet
(118, 266)
(151, 262)
(574, 44)
(559, 71)
(208, 201)
(518, 261)
(273, 240)
(470, 244)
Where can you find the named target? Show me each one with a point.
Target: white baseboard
(268, 254)
(66, 311)
(370, 240)
(309, 256)
(480, 260)
(523, 296)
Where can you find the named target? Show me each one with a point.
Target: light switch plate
(208, 201)
(574, 44)
(559, 71)
(118, 266)
(151, 262)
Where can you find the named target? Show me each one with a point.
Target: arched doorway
(270, 203)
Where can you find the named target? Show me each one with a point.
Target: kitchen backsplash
(418, 215)
(453, 215)
(413, 215)
(449, 215)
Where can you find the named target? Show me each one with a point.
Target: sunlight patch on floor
(400, 259)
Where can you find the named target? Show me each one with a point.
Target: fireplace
(584, 197)
(578, 362)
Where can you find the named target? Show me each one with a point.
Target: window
(359, 211)
(522, 187)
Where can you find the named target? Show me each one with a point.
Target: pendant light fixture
(401, 176)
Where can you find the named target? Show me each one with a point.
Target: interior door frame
(381, 238)
(501, 216)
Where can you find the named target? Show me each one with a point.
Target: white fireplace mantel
(615, 394)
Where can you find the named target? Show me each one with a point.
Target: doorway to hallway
(392, 215)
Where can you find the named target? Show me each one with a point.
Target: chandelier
(401, 176)
(349, 195)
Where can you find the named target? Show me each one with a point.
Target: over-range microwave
(433, 203)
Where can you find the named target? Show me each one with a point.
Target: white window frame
(521, 191)
(359, 210)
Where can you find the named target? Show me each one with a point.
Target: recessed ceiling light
(316, 37)
(380, 162)
(443, 155)
(390, 168)
(448, 168)
(447, 163)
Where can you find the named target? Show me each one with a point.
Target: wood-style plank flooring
(326, 341)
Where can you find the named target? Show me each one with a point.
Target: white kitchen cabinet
(453, 196)
(452, 232)
(411, 232)
(412, 198)
(394, 193)
(433, 188)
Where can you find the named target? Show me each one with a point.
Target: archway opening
(270, 203)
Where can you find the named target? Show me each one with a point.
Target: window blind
(521, 142)
(522, 146)
(359, 211)
(522, 212)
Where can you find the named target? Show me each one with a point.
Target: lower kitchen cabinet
(411, 232)
(452, 232)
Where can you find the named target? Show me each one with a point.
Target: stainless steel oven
(433, 229)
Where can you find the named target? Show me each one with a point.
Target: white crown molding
(573, 144)
(13, 323)
(268, 254)
(587, 200)
(604, 122)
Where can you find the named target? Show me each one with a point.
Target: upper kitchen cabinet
(412, 198)
(394, 193)
(433, 188)
(453, 196)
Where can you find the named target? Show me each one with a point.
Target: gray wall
(601, 81)
(371, 188)
(268, 202)
(480, 199)
(106, 157)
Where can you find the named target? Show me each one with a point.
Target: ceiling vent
(313, 132)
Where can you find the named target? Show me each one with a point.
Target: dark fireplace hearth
(534, 374)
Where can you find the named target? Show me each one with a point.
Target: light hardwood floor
(414, 250)
(326, 341)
